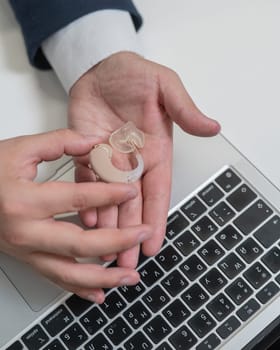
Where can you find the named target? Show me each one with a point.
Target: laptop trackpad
(37, 291)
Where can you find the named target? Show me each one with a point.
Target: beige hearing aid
(127, 139)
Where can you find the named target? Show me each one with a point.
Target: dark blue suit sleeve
(41, 18)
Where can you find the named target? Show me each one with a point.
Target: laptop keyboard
(219, 265)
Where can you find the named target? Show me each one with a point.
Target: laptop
(214, 285)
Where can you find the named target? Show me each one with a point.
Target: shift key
(253, 217)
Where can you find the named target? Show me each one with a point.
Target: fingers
(181, 109)
(67, 239)
(84, 174)
(52, 145)
(130, 214)
(85, 280)
(108, 217)
(61, 197)
(156, 194)
(95, 295)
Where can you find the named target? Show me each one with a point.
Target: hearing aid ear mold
(127, 139)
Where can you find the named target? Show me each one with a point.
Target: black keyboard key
(195, 297)
(269, 233)
(252, 217)
(150, 273)
(118, 331)
(55, 345)
(249, 250)
(114, 263)
(231, 265)
(241, 197)
(113, 304)
(272, 259)
(57, 320)
(99, 342)
(183, 339)
(257, 275)
(176, 313)
(211, 252)
(228, 327)
(138, 342)
(239, 291)
(193, 209)
(176, 223)
(186, 243)
(168, 258)
(157, 329)
(164, 346)
(174, 283)
(209, 343)
(213, 281)
(220, 307)
(229, 237)
(130, 293)
(142, 258)
(93, 320)
(202, 323)
(73, 337)
(211, 194)
(137, 315)
(156, 298)
(78, 305)
(204, 228)
(15, 346)
(278, 279)
(35, 338)
(228, 180)
(222, 213)
(248, 309)
(267, 292)
(193, 267)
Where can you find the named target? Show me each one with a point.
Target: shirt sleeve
(73, 50)
(39, 19)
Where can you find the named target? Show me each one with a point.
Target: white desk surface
(226, 52)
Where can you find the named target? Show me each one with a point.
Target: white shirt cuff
(74, 49)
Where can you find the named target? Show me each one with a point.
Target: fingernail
(143, 236)
(127, 281)
(132, 192)
(91, 298)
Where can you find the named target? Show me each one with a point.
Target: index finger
(64, 197)
(53, 144)
(156, 193)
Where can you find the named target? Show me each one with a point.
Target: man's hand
(29, 232)
(126, 87)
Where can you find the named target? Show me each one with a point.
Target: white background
(228, 56)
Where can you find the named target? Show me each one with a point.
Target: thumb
(52, 145)
(181, 108)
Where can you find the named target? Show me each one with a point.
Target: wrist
(104, 33)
